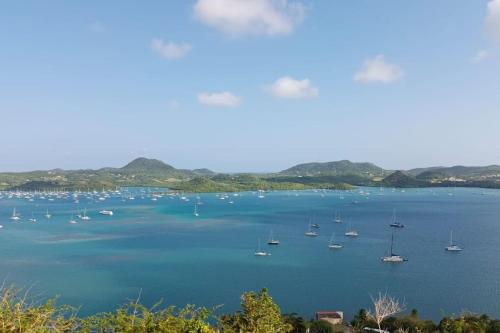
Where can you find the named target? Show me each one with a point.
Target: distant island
(342, 175)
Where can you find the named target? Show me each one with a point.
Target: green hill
(338, 168)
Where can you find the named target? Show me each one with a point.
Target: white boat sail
(332, 245)
(260, 252)
(272, 240)
(453, 247)
(351, 232)
(310, 232)
(337, 218)
(392, 257)
(15, 216)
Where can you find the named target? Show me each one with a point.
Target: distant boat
(106, 212)
(337, 218)
(85, 217)
(15, 216)
(259, 252)
(315, 225)
(332, 245)
(453, 247)
(310, 232)
(72, 221)
(272, 240)
(395, 223)
(196, 210)
(351, 232)
(32, 219)
(393, 258)
(47, 215)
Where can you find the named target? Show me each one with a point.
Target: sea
(155, 248)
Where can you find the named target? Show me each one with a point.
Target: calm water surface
(161, 250)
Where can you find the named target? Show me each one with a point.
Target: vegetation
(19, 313)
(330, 175)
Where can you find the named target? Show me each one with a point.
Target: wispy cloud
(378, 70)
(170, 50)
(219, 99)
(288, 87)
(250, 17)
(479, 56)
(492, 21)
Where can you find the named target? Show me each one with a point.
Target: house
(332, 317)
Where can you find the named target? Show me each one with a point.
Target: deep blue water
(161, 250)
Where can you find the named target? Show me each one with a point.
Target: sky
(249, 85)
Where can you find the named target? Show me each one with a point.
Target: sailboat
(395, 223)
(32, 219)
(259, 252)
(351, 232)
(393, 258)
(72, 221)
(453, 247)
(47, 215)
(196, 210)
(310, 232)
(271, 240)
(332, 245)
(84, 216)
(337, 218)
(15, 216)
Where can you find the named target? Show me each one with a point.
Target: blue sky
(249, 85)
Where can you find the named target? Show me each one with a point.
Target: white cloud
(479, 56)
(378, 70)
(220, 99)
(492, 22)
(288, 87)
(170, 50)
(254, 17)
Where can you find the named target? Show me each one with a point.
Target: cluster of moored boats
(392, 257)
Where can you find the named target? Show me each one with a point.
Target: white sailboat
(32, 219)
(272, 240)
(47, 214)
(85, 217)
(259, 252)
(15, 216)
(453, 247)
(310, 232)
(72, 221)
(392, 257)
(351, 232)
(106, 212)
(395, 223)
(195, 213)
(337, 218)
(332, 245)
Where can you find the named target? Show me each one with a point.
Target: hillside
(401, 179)
(340, 174)
(338, 168)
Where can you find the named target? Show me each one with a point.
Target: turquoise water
(159, 249)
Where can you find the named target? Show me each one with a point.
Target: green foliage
(319, 326)
(259, 315)
(20, 314)
(137, 318)
(297, 322)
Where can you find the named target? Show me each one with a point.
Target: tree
(319, 326)
(383, 307)
(297, 322)
(260, 315)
